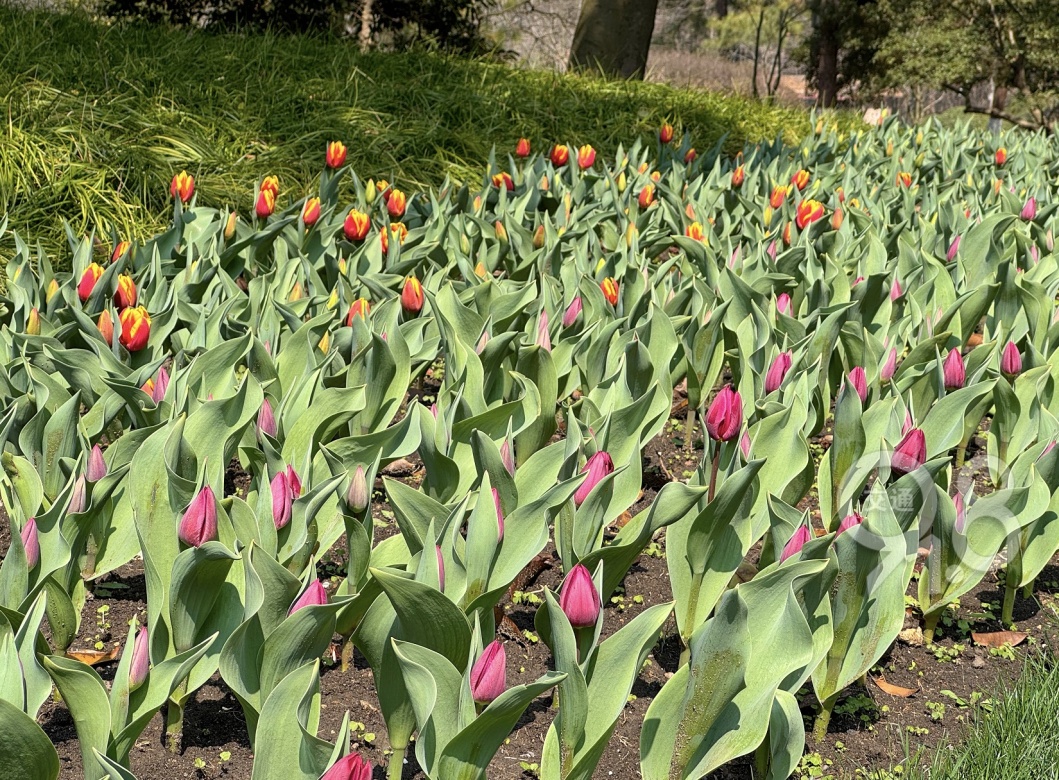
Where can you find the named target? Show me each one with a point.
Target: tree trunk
(614, 37)
(720, 7)
(827, 69)
(998, 100)
(365, 25)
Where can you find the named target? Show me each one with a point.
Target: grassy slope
(99, 118)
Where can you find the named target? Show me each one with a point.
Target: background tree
(614, 37)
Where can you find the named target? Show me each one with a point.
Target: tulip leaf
(86, 696)
(26, 753)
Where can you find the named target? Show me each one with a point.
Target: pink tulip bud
(441, 569)
(953, 369)
(141, 659)
(357, 497)
(796, 542)
(895, 290)
(781, 364)
(910, 453)
(434, 410)
(848, 522)
(1011, 360)
(314, 596)
(97, 467)
(771, 251)
(1034, 254)
(161, 384)
(908, 424)
(857, 281)
(199, 522)
(294, 482)
(479, 348)
(783, 304)
(489, 674)
(78, 497)
(579, 599)
(598, 467)
(744, 445)
(889, 367)
(506, 457)
(266, 420)
(859, 382)
(499, 515)
(573, 311)
(954, 247)
(1029, 211)
(31, 542)
(281, 500)
(544, 340)
(961, 512)
(724, 418)
(352, 767)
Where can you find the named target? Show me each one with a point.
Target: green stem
(685, 656)
(961, 455)
(396, 765)
(763, 757)
(713, 472)
(1002, 459)
(824, 718)
(1011, 585)
(689, 428)
(174, 718)
(930, 624)
(347, 653)
(1027, 592)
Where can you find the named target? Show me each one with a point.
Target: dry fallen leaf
(894, 690)
(999, 638)
(94, 657)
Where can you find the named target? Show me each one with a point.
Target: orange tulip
(646, 196)
(120, 249)
(522, 148)
(778, 196)
(560, 155)
(88, 281)
(665, 133)
(836, 219)
(335, 155)
(800, 179)
(383, 188)
(904, 178)
(738, 175)
(412, 296)
(359, 308)
(265, 205)
(787, 234)
(106, 327)
(399, 232)
(809, 211)
(311, 212)
(586, 157)
(1001, 156)
(610, 290)
(135, 328)
(182, 186)
(270, 184)
(357, 225)
(126, 294)
(504, 181)
(538, 237)
(695, 231)
(395, 204)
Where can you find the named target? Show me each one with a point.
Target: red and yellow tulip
(738, 175)
(396, 203)
(356, 225)
(586, 157)
(412, 296)
(126, 294)
(609, 286)
(695, 231)
(359, 308)
(398, 230)
(135, 328)
(119, 250)
(311, 212)
(560, 155)
(504, 181)
(1001, 156)
(182, 186)
(522, 148)
(270, 184)
(665, 133)
(646, 196)
(800, 179)
(335, 155)
(809, 211)
(105, 324)
(265, 204)
(88, 281)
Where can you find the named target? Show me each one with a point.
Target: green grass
(98, 118)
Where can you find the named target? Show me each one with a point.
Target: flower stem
(930, 625)
(396, 765)
(689, 428)
(1011, 584)
(713, 473)
(824, 718)
(174, 718)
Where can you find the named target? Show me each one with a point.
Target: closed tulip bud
(499, 515)
(573, 311)
(1029, 211)
(198, 525)
(441, 568)
(412, 296)
(357, 497)
(78, 497)
(778, 196)
(800, 179)
(359, 308)
(781, 364)
(598, 466)
(311, 212)
(609, 286)
(489, 674)
(848, 522)
(33, 323)
(1010, 360)
(314, 596)
(690, 156)
(837, 218)
(646, 196)
(141, 658)
(352, 767)
(265, 204)
(560, 155)
(504, 181)
(744, 445)
(399, 232)
(859, 382)
(1000, 156)
(53, 288)
(954, 247)
(961, 513)
(119, 249)
(522, 148)
(586, 157)
(270, 184)
(886, 373)
(579, 599)
(895, 290)
(910, 453)
(356, 225)
(229, 226)
(665, 133)
(544, 339)
(738, 176)
(335, 156)
(135, 328)
(808, 212)
(126, 294)
(622, 182)
(953, 369)
(31, 542)
(105, 325)
(507, 457)
(294, 481)
(771, 251)
(783, 304)
(787, 234)
(904, 179)
(281, 500)
(538, 237)
(908, 424)
(796, 542)
(96, 468)
(182, 186)
(724, 418)
(88, 281)
(266, 420)
(396, 203)
(695, 232)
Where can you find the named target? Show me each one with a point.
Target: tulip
(1029, 211)
(141, 658)
(738, 175)
(33, 323)
(781, 364)
(311, 212)
(560, 155)
(182, 186)
(955, 376)
(836, 219)
(441, 568)
(695, 232)
(105, 325)
(1000, 156)
(904, 179)
(665, 133)
(78, 497)
(538, 237)
(580, 600)
(399, 232)
(598, 466)
(744, 445)
(859, 382)
(352, 767)
(412, 296)
(270, 184)
(848, 522)
(382, 187)
(281, 500)
(126, 294)
(198, 525)
(961, 512)
(724, 418)
(53, 288)
(1010, 360)
(507, 457)
(356, 225)
(359, 308)
(690, 156)
(954, 247)
(910, 453)
(522, 148)
(778, 196)
(31, 542)
(159, 388)
(119, 249)
(783, 304)
(396, 203)
(573, 311)
(800, 179)
(646, 196)
(610, 290)
(787, 234)
(796, 542)
(895, 290)
(504, 181)
(586, 157)
(96, 468)
(808, 211)
(135, 328)
(489, 674)
(294, 481)
(335, 155)
(499, 515)
(266, 420)
(314, 596)
(88, 281)
(886, 373)
(357, 498)
(544, 339)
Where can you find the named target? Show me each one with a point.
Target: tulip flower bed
(356, 474)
